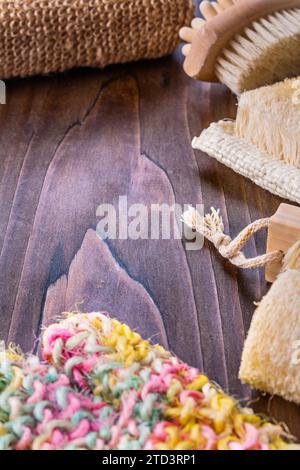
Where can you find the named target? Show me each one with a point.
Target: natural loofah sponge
(42, 36)
(103, 387)
(271, 356)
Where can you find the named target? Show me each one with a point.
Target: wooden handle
(216, 33)
(284, 231)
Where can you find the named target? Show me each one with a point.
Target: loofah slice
(101, 386)
(271, 356)
(220, 141)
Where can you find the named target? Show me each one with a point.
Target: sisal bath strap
(43, 36)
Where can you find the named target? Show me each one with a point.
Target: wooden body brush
(244, 43)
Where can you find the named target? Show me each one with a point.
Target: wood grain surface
(74, 141)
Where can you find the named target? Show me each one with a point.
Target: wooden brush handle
(283, 233)
(216, 33)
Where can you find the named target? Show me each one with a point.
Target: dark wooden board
(74, 141)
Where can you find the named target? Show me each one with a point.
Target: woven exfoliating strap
(276, 176)
(211, 227)
(42, 36)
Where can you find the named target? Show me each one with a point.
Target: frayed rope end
(207, 225)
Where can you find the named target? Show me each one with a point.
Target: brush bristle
(269, 118)
(266, 52)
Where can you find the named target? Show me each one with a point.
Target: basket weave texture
(278, 177)
(42, 36)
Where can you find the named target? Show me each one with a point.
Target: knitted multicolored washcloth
(42, 36)
(103, 387)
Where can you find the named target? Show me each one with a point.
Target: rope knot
(220, 239)
(211, 227)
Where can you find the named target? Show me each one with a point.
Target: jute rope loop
(212, 228)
